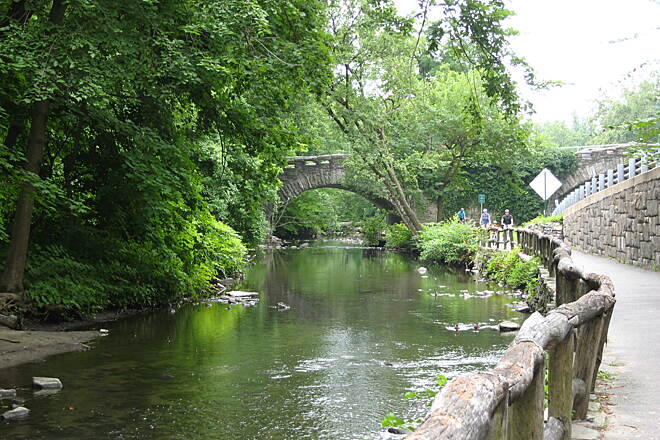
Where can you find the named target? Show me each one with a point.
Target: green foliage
(392, 420)
(119, 274)
(559, 218)
(509, 268)
(633, 118)
(427, 395)
(398, 236)
(605, 376)
(168, 122)
(506, 185)
(373, 229)
(319, 212)
(449, 242)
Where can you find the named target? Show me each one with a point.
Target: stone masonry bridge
(305, 173)
(592, 160)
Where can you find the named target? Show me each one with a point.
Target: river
(363, 328)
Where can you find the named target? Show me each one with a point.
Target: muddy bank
(18, 347)
(39, 340)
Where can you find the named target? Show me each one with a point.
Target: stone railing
(311, 161)
(507, 402)
(603, 180)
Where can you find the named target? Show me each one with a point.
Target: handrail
(507, 402)
(603, 180)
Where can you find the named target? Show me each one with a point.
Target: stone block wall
(622, 222)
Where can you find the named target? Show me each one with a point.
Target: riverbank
(38, 340)
(21, 346)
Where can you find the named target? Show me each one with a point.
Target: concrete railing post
(620, 173)
(631, 167)
(601, 182)
(594, 185)
(610, 177)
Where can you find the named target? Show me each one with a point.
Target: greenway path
(633, 348)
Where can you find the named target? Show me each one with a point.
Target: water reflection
(364, 327)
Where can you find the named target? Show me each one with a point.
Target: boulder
(10, 321)
(240, 294)
(7, 393)
(47, 383)
(16, 413)
(508, 326)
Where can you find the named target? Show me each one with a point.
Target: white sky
(594, 47)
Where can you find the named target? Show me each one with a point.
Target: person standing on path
(461, 215)
(485, 219)
(507, 225)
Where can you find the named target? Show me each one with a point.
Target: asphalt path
(633, 348)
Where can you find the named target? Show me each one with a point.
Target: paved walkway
(633, 349)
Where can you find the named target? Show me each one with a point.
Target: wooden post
(560, 384)
(499, 423)
(589, 336)
(526, 413)
(607, 316)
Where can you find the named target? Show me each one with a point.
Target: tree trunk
(401, 196)
(438, 209)
(12, 276)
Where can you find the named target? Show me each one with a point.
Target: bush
(127, 274)
(372, 229)
(559, 218)
(449, 242)
(509, 268)
(398, 236)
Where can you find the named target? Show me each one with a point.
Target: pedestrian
(507, 224)
(485, 219)
(461, 215)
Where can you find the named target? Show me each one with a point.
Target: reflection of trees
(221, 362)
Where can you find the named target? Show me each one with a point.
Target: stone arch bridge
(304, 173)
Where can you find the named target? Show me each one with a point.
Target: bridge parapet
(603, 179)
(507, 402)
(320, 160)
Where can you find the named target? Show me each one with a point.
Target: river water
(363, 328)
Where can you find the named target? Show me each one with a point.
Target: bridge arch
(304, 173)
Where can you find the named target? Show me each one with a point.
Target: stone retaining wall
(621, 222)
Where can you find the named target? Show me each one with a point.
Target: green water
(363, 328)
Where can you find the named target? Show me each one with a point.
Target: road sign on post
(545, 184)
(482, 199)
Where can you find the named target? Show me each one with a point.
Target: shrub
(509, 268)
(559, 218)
(449, 242)
(372, 229)
(398, 236)
(123, 274)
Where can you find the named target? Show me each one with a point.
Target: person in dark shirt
(507, 224)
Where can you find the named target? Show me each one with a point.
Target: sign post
(545, 185)
(482, 199)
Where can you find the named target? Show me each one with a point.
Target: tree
(378, 91)
(639, 107)
(138, 107)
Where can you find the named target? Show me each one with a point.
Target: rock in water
(7, 393)
(16, 413)
(240, 294)
(47, 383)
(508, 326)
(422, 270)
